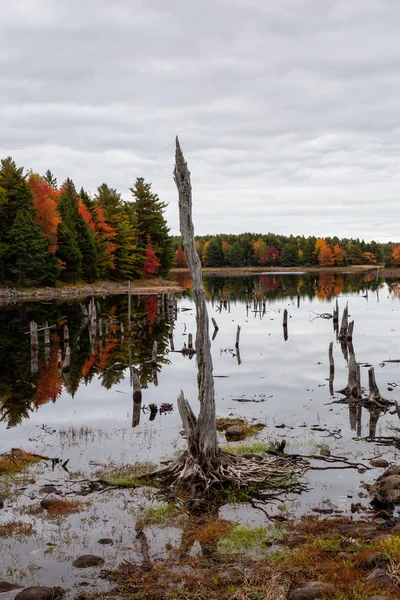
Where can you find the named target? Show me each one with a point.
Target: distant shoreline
(247, 271)
(142, 287)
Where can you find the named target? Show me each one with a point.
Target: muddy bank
(138, 287)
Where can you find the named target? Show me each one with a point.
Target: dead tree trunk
(204, 436)
(204, 464)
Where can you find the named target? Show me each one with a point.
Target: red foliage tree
(180, 257)
(151, 262)
(45, 198)
(86, 215)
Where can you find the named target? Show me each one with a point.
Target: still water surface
(86, 415)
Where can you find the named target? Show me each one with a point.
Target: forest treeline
(250, 249)
(51, 233)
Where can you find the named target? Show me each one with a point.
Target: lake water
(86, 416)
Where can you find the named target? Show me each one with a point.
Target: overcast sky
(288, 111)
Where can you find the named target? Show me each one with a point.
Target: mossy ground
(241, 562)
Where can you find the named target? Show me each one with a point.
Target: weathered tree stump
(204, 464)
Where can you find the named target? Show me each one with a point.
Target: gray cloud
(287, 111)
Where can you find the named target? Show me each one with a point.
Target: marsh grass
(16, 461)
(253, 448)
(244, 538)
(118, 474)
(165, 514)
(58, 508)
(16, 529)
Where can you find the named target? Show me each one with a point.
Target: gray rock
(37, 592)
(393, 470)
(235, 432)
(105, 541)
(379, 462)
(379, 597)
(311, 591)
(359, 529)
(49, 503)
(380, 577)
(7, 587)
(88, 560)
(48, 489)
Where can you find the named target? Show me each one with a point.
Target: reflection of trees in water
(272, 286)
(22, 391)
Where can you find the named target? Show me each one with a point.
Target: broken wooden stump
(352, 391)
(285, 329)
(237, 345)
(336, 317)
(137, 396)
(331, 369)
(345, 323)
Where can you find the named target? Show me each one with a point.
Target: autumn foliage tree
(45, 199)
(180, 257)
(338, 255)
(325, 256)
(395, 255)
(152, 262)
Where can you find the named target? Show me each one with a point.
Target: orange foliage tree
(338, 255)
(395, 255)
(325, 256)
(45, 198)
(369, 258)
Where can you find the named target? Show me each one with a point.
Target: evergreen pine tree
(128, 262)
(148, 211)
(75, 231)
(29, 260)
(50, 179)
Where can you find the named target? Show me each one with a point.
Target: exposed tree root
(277, 472)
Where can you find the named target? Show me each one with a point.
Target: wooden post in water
(350, 331)
(171, 335)
(331, 369)
(137, 397)
(34, 346)
(239, 360)
(345, 323)
(285, 329)
(59, 358)
(298, 297)
(374, 393)
(47, 342)
(65, 368)
(190, 341)
(336, 317)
